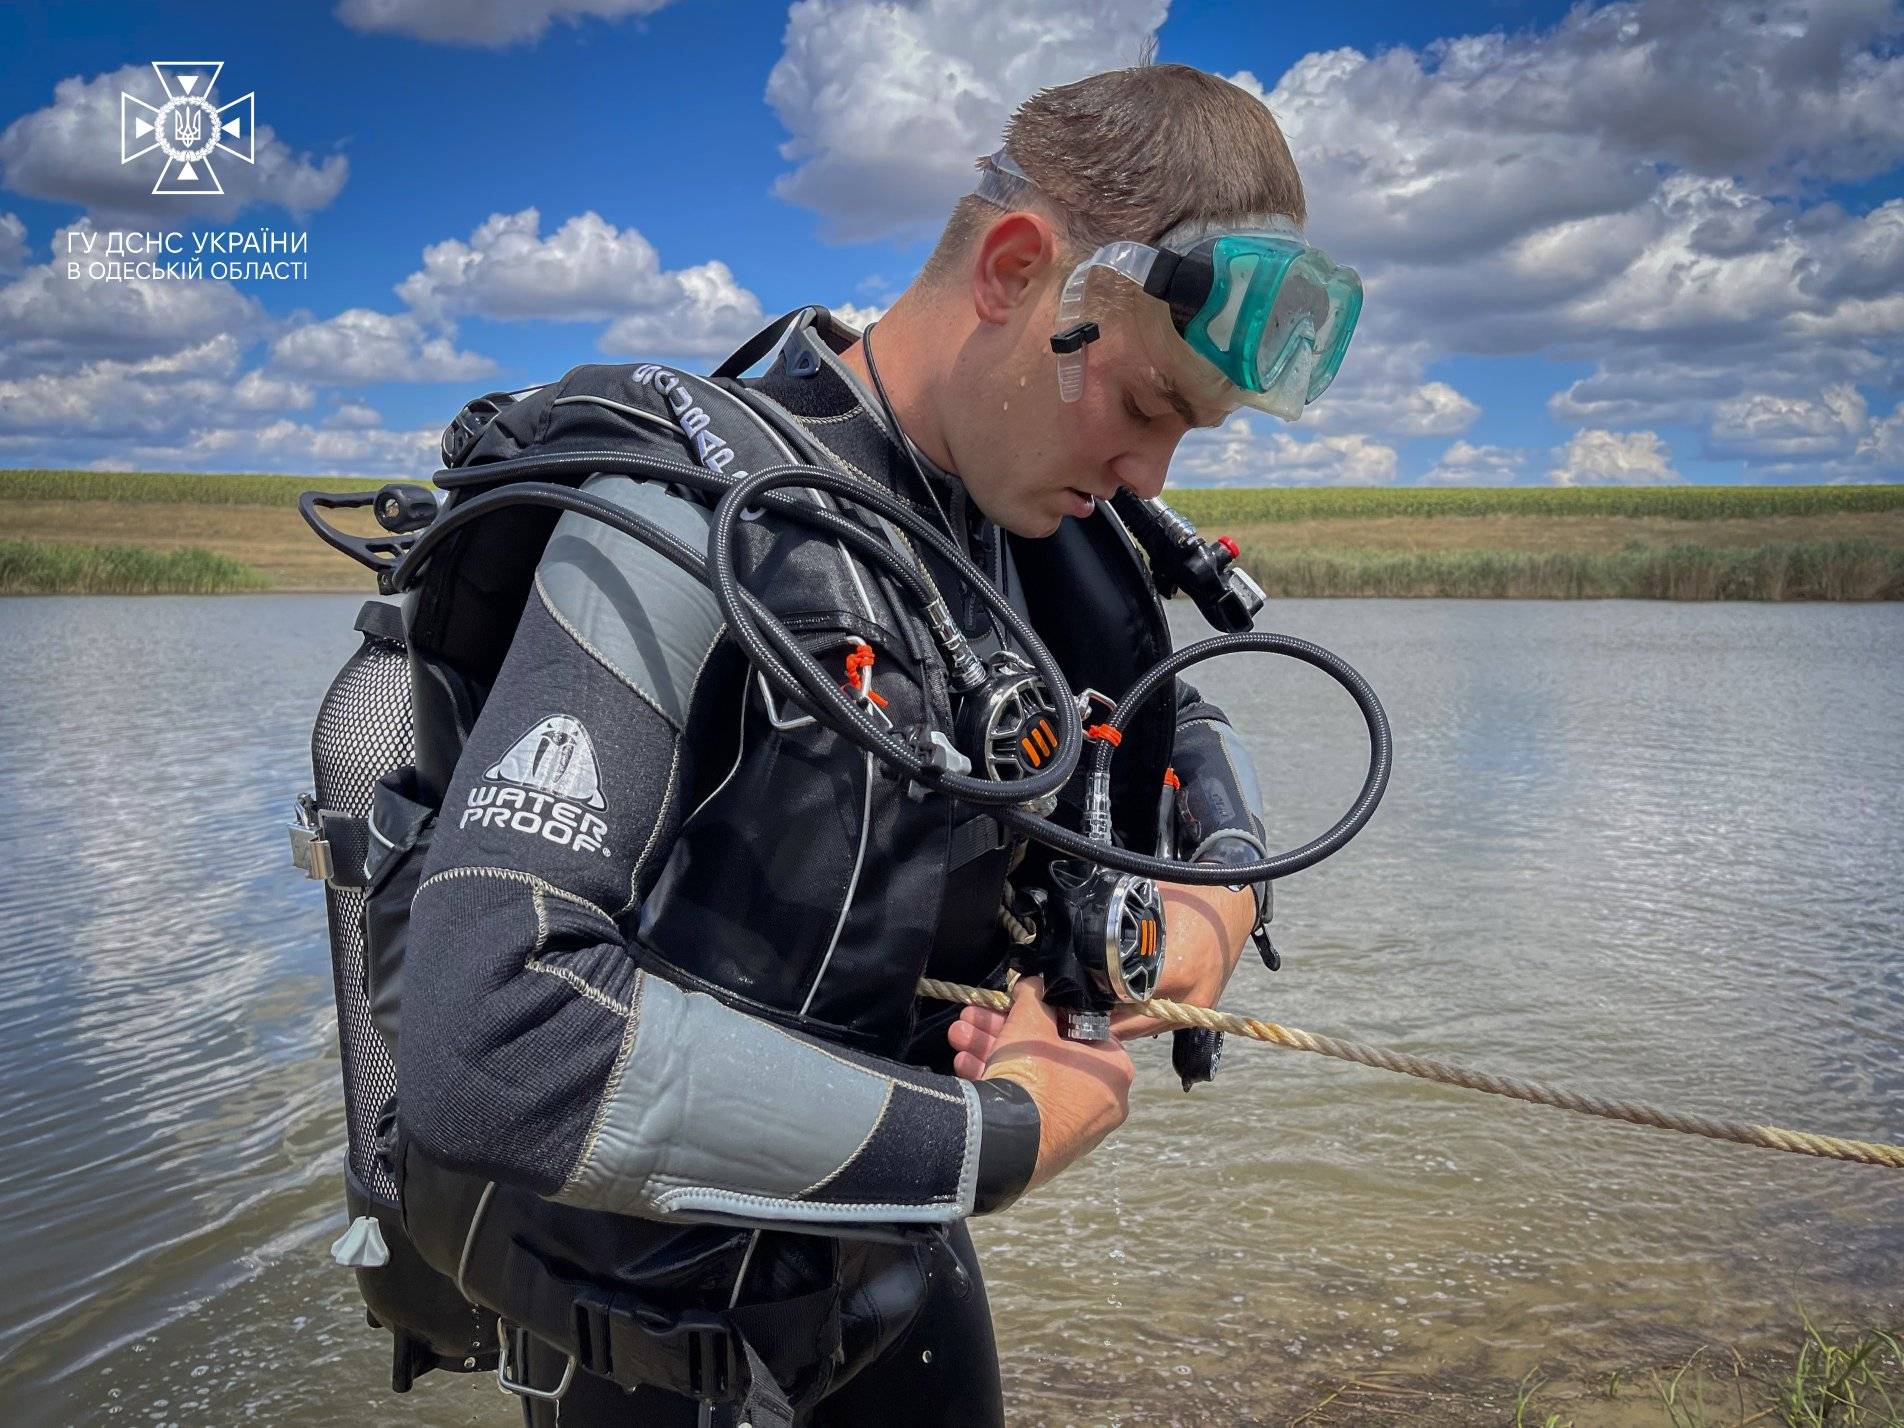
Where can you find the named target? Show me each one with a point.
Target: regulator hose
(1279, 865)
(990, 793)
(789, 668)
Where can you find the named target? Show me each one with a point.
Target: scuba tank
(361, 834)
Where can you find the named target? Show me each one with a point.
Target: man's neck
(905, 374)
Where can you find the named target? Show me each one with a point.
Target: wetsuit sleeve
(1220, 802)
(536, 1051)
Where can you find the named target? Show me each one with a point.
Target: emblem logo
(556, 757)
(188, 128)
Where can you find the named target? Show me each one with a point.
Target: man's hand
(1081, 1088)
(1205, 931)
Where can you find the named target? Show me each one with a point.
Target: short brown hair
(1131, 153)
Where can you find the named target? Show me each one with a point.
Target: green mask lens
(1277, 319)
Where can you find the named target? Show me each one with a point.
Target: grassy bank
(1816, 570)
(1833, 1379)
(1668, 543)
(1252, 505)
(42, 568)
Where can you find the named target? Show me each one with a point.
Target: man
(668, 1100)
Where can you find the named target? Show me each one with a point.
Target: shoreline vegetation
(45, 568)
(1831, 1377)
(157, 532)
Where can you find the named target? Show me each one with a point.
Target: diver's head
(1138, 157)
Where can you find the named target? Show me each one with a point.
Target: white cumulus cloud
(586, 270)
(292, 447)
(1466, 464)
(1596, 457)
(359, 345)
(494, 23)
(1240, 453)
(152, 396)
(50, 321)
(1635, 187)
(12, 242)
(887, 105)
(354, 416)
(1832, 434)
(1383, 389)
(859, 315)
(1768, 427)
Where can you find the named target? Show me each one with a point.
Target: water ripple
(1650, 850)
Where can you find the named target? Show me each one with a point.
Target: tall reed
(55, 568)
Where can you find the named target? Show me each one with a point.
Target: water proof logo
(557, 757)
(188, 128)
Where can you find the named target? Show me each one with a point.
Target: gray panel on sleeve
(697, 1118)
(1242, 768)
(634, 609)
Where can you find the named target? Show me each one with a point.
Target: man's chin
(1046, 526)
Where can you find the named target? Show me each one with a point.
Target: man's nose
(1142, 473)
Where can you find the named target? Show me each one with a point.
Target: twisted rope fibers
(1829, 1147)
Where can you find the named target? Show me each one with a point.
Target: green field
(169, 487)
(42, 568)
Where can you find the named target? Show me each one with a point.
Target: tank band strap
(349, 837)
(382, 620)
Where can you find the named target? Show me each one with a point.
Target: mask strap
(1002, 183)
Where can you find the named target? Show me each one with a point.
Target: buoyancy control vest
(391, 729)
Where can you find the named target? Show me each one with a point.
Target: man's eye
(1132, 410)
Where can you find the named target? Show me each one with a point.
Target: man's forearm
(1205, 930)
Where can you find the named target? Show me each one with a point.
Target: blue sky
(1638, 242)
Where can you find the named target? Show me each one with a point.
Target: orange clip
(1171, 780)
(1105, 732)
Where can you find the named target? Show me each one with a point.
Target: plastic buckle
(703, 1340)
(710, 1361)
(310, 849)
(509, 1384)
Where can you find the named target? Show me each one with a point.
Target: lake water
(1649, 849)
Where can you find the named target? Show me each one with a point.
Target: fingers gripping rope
(1861, 1152)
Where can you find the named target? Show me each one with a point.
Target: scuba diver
(671, 1108)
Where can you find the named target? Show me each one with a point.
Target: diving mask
(1271, 313)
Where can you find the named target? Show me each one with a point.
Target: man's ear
(1014, 255)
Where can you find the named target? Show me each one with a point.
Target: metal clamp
(310, 849)
(525, 1390)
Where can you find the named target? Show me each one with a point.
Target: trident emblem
(179, 129)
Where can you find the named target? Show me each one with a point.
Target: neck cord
(906, 442)
(907, 445)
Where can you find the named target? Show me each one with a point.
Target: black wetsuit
(658, 979)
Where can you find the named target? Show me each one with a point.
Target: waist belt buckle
(691, 1352)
